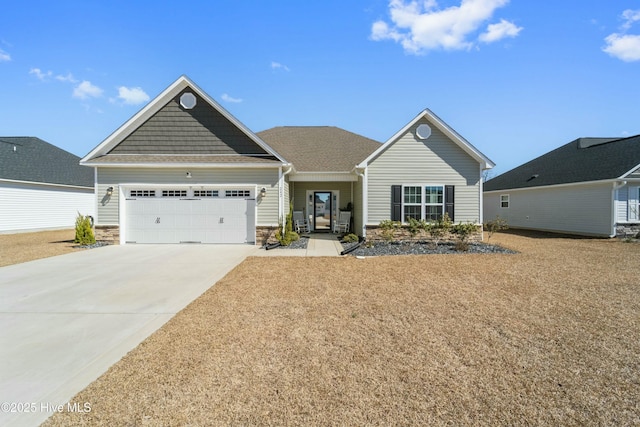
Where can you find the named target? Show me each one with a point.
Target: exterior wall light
(263, 192)
(109, 191)
(188, 175)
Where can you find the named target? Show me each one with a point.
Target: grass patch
(547, 336)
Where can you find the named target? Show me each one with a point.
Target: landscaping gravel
(92, 246)
(301, 243)
(421, 248)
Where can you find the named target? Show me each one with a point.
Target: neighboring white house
(590, 186)
(41, 186)
(183, 169)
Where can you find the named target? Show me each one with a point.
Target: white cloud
(625, 47)
(277, 65)
(420, 26)
(499, 31)
(85, 90)
(228, 98)
(630, 16)
(68, 78)
(4, 56)
(39, 74)
(133, 95)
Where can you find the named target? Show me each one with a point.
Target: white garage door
(186, 216)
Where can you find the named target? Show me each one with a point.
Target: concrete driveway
(65, 320)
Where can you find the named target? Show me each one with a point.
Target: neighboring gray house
(184, 169)
(41, 186)
(590, 186)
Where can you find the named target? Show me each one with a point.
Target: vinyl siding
(578, 209)
(36, 207)
(621, 204)
(108, 209)
(436, 160)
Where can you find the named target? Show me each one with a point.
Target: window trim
(508, 201)
(423, 200)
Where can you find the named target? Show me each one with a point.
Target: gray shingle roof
(319, 148)
(175, 158)
(31, 159)
(581, 160)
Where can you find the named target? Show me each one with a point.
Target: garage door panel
(174, 220)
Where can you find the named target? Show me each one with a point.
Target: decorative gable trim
(154, 107)
(635, 171)
(427, 114)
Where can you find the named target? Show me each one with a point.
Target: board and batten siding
(30, 207)
(108, 209)
(436, 160)
(576, 209)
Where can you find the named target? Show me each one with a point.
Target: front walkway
(320, 244)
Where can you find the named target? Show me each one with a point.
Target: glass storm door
(322, 211)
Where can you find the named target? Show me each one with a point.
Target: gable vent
(423, 131)
(188, 100)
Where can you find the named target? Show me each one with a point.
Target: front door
(322, 210)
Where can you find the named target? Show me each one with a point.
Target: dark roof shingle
(26, 158)
(319, 148)
(581, 160)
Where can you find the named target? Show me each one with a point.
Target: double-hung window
(423, 202)
(504, 200)
(412, 202)
(433, 203)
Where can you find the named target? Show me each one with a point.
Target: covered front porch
(321, 203)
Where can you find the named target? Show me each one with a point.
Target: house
(589, 186)
(41, 186)
(183, 169)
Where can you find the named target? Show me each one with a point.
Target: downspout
(281, 196)
(365, 209)
(616, 187)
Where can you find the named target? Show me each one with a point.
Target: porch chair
(300, 224)
(342, 224)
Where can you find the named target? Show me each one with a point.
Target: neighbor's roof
(319, 148)
(26, 158)
(582, 160)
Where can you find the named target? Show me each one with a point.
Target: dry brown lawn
(23, 247)
(549, 336)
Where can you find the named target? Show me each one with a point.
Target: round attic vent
(188, 100)
(423, 131)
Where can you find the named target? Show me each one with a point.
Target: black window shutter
(449, 193)
(396, 203)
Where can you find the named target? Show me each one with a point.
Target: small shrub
(463, 231)
(289, 235)
(287, 238)
(84, 232)
(350, 238)
(417, 226)
(498, 224)
(389, 229)
(439, 229)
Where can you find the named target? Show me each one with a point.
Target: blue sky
(516, 78)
